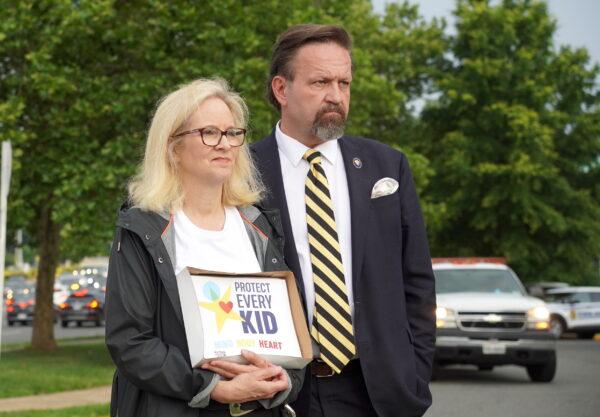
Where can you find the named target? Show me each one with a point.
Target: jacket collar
(157, 233)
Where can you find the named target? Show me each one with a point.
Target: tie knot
(313, 157)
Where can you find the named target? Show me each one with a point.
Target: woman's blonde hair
(157, 186)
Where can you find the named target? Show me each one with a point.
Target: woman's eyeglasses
(211, 136)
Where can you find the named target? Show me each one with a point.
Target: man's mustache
(336, 108)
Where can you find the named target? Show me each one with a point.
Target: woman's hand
(230, 369)
(259, 384)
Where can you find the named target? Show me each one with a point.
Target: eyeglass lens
(212, 136)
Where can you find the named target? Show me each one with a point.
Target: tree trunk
(43, 322)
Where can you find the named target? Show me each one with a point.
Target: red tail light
(81, 293)
(93, 304)
(22, 304)
(10, 302)
(64, 306)
(10, 309)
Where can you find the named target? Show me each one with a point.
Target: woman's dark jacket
(145, 334)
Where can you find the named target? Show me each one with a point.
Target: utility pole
(4, 187)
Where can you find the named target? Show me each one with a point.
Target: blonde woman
(191, 204)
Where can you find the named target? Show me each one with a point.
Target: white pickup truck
(484, 317)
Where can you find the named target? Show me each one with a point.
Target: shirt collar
(294, 150)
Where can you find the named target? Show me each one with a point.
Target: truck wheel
(11, 323)
(485, 367)
(64, 323)
(557, 326)
(586, 335)
(544, 372)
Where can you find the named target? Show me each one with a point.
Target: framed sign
(224, 313)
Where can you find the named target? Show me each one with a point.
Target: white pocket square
(383, 187)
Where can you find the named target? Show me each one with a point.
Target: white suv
(574, 309)
(485, 318)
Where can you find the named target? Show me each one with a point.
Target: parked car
(96, 281)
(17, 285)
(484, 317)
(20, 308)
(574, 309)
(84, 305)
(68, 282)
(540, 289)
(16, 281)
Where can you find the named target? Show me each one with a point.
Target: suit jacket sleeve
(419, 282)
(131, 306)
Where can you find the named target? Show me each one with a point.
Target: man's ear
(279, 87)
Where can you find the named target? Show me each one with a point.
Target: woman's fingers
(263, 383)
(237, 368)
(273, 378)
(224, 373)
(255, 359)
(266, 374)
(257, 380)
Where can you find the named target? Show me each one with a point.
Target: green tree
(79, 80)
(514, 139)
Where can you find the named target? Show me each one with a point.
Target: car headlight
(445, 317)
(539, 313)
(538, 318)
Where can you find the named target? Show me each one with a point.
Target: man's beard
(328, 127)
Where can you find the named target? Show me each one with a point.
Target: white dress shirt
(294, 170)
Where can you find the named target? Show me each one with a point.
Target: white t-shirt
(227, 250)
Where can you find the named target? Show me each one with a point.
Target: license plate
(77, 306)
(494, 348)
(21, 316)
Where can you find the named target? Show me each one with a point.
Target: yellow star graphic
(223, 309)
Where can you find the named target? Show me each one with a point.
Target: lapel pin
(357, 163)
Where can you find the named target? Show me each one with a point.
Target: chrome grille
(488, 320)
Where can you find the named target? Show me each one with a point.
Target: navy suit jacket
(394, 288)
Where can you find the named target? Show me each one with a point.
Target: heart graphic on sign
(226, 306)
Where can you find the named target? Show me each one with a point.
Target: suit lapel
(357, 166)
(267, 161)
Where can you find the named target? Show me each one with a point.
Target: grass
(76, 364)
(10, 347)
(88, 411)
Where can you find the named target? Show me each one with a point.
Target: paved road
(506, 391)
(463, 391)
(22, 334)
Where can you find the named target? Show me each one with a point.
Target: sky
(578, 20)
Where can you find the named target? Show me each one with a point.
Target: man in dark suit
(355, 237)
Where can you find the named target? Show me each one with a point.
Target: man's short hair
(290, 41)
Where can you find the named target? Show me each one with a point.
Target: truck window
(581, 297)
(495, 281)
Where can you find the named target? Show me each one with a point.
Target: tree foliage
(505, 155)
(79, 81)
(515, 145)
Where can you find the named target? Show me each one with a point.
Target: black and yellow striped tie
(332, 322)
